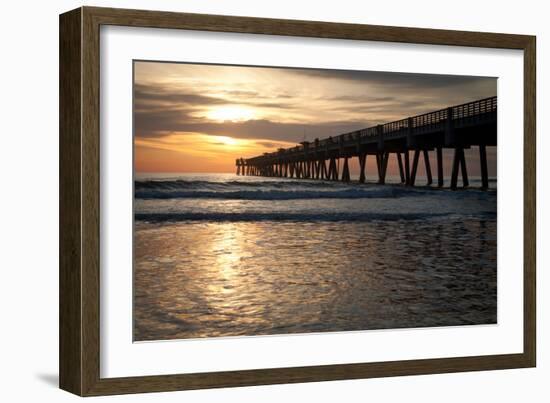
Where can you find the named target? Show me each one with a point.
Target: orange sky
(200, 118)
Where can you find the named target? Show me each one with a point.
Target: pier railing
(467, 110)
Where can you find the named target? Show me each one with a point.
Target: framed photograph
(249, 201)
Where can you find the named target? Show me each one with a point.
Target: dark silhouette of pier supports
(428, 168)
(241, 166)
(362, 167)
(345, 171)
(407, 168)
(459, 162)
(332, 170)
(324, 169)
(400, 164)
(439, 154)
(414, 169)
(382, 164)
(483, 162)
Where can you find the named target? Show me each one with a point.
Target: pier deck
(457, 127)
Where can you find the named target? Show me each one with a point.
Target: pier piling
(428, 168)
(400, 164)
(439, 153)
(483, 162)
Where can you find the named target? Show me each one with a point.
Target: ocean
(219, 255)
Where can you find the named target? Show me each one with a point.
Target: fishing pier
(457, 127)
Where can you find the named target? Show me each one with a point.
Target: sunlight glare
(228, 141)
(230, 114)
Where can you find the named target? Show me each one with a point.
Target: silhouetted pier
(457, 127)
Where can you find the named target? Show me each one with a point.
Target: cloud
(266, 144)
(393, 79)
(160, 123)
(145, 95)
(289, 104)
(242, 93)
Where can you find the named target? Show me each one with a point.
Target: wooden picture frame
(79, 201)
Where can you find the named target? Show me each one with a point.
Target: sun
(230, 114)
(227, 141)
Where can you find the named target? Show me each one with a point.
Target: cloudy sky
(200, 118)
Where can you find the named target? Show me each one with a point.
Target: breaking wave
(276, 190)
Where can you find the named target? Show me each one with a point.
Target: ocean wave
(272, 194)
(266, 190)
(299, 217)
(200, 184)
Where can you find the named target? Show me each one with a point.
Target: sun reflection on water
(226, 246)
(241, 278)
